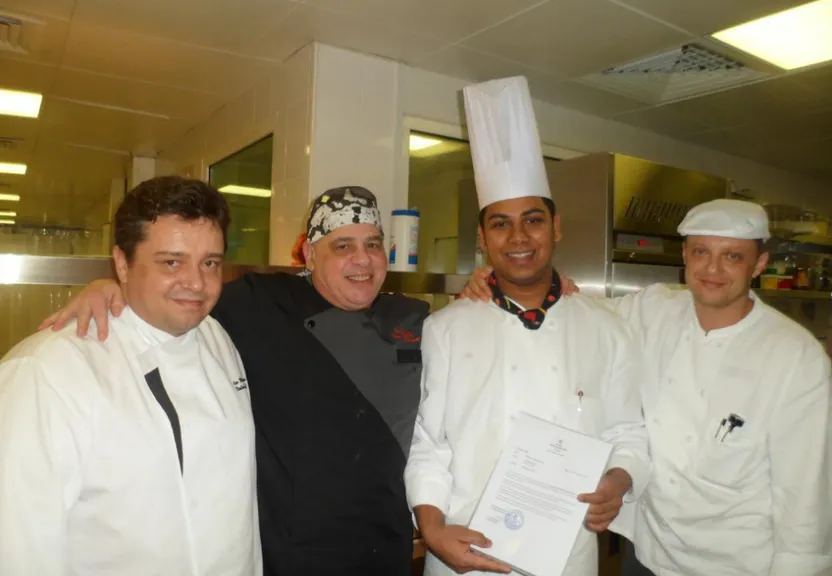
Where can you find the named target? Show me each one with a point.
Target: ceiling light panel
(16, 103)
(791, 39)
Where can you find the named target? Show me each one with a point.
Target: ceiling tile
(782, 97)
(217, 24)
(134, 95)
(28, 76)
(43, 41)
(65, 122)
(817, 79)
(662, 120)
(117, 53)
(461, 62)
(441, 19)
(580, 97)
(576, 37)
(708, 16)
(60, 9)
(344, 31)
(810, 126)
(727, 141)
(22, 132)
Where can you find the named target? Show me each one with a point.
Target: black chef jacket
(334, 396)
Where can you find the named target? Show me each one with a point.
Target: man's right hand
(452, 543)
(94, 301)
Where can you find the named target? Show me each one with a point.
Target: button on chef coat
(759, 500)
(132, 456)
(482, 367)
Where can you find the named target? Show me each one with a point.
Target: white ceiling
(132, 76)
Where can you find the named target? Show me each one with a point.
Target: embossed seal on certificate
(514, 520)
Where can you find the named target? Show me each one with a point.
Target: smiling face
(174, 277)
(519, 237)
(719, 270)
(348, 265)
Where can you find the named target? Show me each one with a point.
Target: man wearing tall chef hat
(333, 368)
(569, 361)
(135, 456)
(737, 402)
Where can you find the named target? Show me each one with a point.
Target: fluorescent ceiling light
(12, 168)
(790, 39)
(246, 191)
(420, 142)
(7, 214)
(10, 197)
(6, 221)
(15, 103)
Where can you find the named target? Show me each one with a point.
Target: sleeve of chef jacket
(427, 476)
(624, 423)
(800, 456)
(40, 475)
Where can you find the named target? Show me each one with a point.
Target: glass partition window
(441, 186)
(246, 180)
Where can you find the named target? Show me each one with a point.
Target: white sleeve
(624, 422)
(39, 470)
(428, 479)
(800, 453)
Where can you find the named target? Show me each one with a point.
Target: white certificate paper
(529, 509)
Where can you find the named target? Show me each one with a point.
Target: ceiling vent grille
(10, 143)
(689, 71)
(10, 33)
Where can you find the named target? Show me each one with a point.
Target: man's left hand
(606, 501)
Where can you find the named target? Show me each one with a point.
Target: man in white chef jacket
(135, 455)
(568, 361)
(737, 402)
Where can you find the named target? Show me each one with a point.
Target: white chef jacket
(757, 501)
(90, 475)
(481, 368)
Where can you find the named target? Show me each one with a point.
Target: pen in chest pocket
(727, 425)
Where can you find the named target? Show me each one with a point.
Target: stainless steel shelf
(79, 271)
(794, 294)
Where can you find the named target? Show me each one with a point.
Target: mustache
(190, 297)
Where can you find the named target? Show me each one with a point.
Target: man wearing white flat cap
(737, 404)
(568, 361)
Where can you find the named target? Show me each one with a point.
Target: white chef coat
(481, 368)
(758, 501)
(90, 477)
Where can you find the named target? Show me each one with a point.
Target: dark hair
(167, 196)
(550, 205)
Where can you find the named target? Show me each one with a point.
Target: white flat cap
(728, 219)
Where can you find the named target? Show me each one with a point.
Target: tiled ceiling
(132, 76)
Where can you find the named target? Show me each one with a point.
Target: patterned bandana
(341, 207)
(533, 317)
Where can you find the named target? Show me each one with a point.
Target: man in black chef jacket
(334, 370)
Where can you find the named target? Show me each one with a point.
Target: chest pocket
(732, 463)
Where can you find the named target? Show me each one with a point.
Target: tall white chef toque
(505, 145)
(728, 219)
